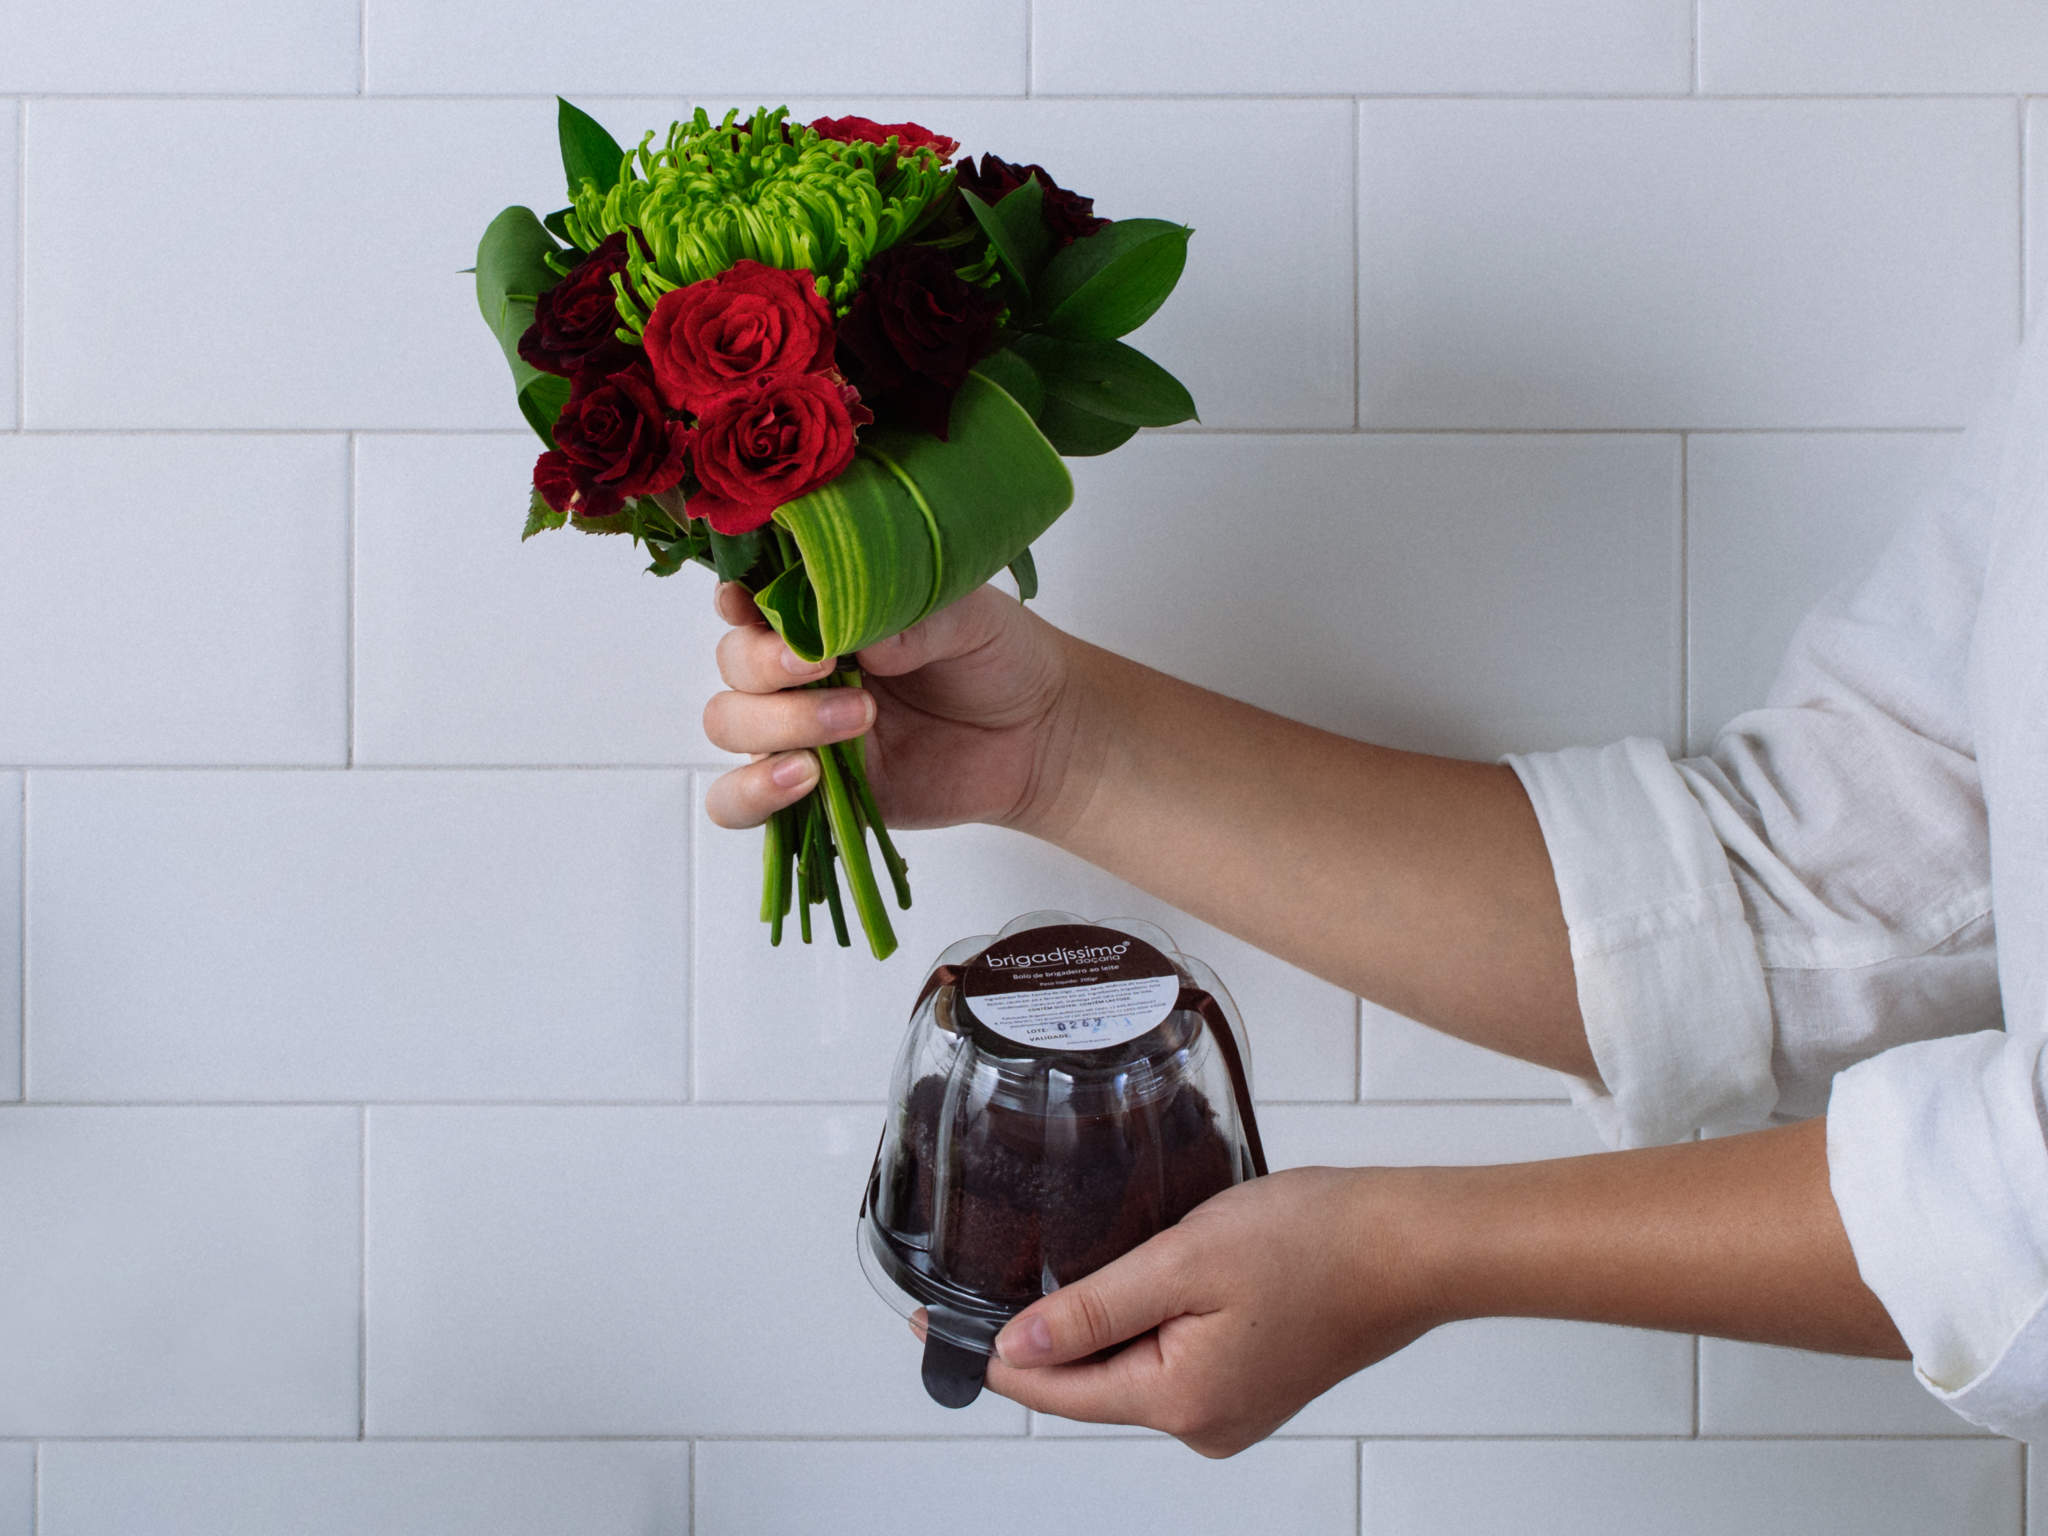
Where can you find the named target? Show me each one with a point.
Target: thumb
(1121, 1300)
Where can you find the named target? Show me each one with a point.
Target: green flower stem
(774, 876)
(853, 850)
(899, 871)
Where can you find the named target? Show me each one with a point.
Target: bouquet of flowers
(829, 362)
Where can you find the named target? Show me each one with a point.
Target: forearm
(1419, 882)
(1737, 1237)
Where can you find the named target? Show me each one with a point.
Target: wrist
(1413, 1252)
(1071, 743)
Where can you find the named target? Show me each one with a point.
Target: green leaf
(914, 523)
(1016, 228)
(792, 608)
(589, 153)
(557, 224)
(540, 516)
(1025, 569)
(735, 554)
(1109, 379)
(511, 270)
(1017, 378)
(1109, 283)
(1080, 434)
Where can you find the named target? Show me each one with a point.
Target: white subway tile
(843, 1015)
(1401, 1059)
(1490, 1377)
(179, 1272)
(212, 629)
(1001, 1489)
(635, 1272)
(1702, 263)
(1844, 47)
(1756, 1390)
(305, 260)
(359, 935)
(1446, 593)
(966, 47)
(10, 257)
(17, 1490)
(11, 789)
(1697, 1488)
(1406, 47)
(1772, 523)
(1260, 328)
(214, 45)
(473, 647)
(366, 1490)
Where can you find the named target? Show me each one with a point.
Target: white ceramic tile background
(365, 1489)
(17, 1489)
(1774, 522)
(405, 811)
(11, 791)
(212, 629)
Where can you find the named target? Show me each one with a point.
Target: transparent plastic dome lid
(1066, 1089)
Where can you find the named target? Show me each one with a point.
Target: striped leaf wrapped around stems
(915, 523)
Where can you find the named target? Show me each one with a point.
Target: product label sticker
(1070, 987)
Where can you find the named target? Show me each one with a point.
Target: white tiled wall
(419, 1136)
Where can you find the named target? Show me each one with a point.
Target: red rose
(612, 440)
(769, 443)
(1067, 214)
(865, 130)
(575, 323)
(748, 322)
(912, 332)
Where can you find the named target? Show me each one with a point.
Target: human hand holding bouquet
(832, 368)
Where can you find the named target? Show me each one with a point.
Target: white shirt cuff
(1669, 983)
(1938, 1165)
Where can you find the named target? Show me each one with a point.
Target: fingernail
(791, 662)
(842, 711)
(1026, 1341)
(792, 770)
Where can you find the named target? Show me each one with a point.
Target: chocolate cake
(1035, 1200)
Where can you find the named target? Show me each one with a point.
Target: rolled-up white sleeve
(1800, 920)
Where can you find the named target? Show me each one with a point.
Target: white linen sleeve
(1816, 887)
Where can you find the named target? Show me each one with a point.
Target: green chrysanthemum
(764, 189)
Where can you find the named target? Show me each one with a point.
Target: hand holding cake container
(832, 363)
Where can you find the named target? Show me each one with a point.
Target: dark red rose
(613, 440)
(746, 323)
(912, 332)
(1067, 214)
(865, 130)
(575, 323)
(770, 442)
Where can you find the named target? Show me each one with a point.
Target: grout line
(1695, 47)
(363, 1275)
(1695, 1386)
(1357, 257)
(1357, 1049)
(1684, 737)
(360, 1102)
(1030, 63)
(1163, 433)
(35, 1488)
(690, 1470)
(1553, 1437)
(21, 265)
(349, 587)
(1560, 98)
(2026, 1483)
(362, 47)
